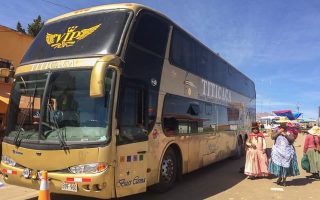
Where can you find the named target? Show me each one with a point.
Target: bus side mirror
(4, 72)
(98, 73)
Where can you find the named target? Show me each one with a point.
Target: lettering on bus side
(213, 91)
(125, 183)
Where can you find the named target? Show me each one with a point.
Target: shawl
(252, 135)
(282, 152)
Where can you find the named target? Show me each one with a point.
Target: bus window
(144, 60)
(210, 118)
(182, 115)
(151, 34)
(171, 125)
(233, 114)
(152, 109)
(222, 118)
(193, 109)
(53, 41)
(132, 112)
(208, 108)
(183, 51)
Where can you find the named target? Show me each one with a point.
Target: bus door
(131, 171)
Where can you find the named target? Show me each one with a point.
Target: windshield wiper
(46, 103)
(17, 142)
(62, 141)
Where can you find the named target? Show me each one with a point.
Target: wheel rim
(167, 169)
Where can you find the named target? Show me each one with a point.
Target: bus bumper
(98, 185)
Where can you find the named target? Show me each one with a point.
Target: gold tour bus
(114, 99)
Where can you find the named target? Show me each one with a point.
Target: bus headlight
(8, 161)
(26, 173)
(88, 168)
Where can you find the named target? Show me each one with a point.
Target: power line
(59, 5)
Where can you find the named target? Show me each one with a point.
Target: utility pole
(298, 106)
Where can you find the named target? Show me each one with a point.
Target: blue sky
(275, 43)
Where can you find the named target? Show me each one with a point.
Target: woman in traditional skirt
(283, 161)
(256, 157)
(311, 148)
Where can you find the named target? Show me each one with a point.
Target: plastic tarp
(297, 115)
(287, 113)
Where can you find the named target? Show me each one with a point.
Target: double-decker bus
(113, 99)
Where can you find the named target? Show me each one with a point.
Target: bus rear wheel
(168, 172)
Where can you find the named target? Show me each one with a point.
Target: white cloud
(272, 103)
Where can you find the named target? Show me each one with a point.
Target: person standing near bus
(283, 161)
(312, 148)
(256, 157)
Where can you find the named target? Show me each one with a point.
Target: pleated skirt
(314, 160)
(279, 171)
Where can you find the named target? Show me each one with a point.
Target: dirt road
(220, 181)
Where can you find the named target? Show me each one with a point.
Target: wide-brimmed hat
(283, 125)
(254, 125)
(315, 130)
(283, 120)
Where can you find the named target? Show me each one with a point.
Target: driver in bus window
(67, 102)
(69, 106)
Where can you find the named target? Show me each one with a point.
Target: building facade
(13, 46)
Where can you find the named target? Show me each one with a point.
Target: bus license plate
(71, 187)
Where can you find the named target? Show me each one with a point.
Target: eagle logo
(69, 38)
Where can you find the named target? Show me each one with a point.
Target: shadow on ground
(300, 181)
(200, 184)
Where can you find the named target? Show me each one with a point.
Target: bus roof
(132, 6)
(136, 8)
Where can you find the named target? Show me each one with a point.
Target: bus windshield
(56, 107)
(79, 36)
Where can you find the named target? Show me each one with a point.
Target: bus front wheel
(168, 171)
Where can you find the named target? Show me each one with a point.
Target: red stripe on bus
(86, 180)
(70, 180)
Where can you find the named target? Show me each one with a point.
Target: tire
(168, 172)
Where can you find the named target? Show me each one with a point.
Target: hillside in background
(263, 114)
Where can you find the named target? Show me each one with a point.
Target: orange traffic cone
(44, 187)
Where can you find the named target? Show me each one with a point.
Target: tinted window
(192, 56)
(152, 109)
(233, 114)
(132, 115)
(67, 107)
(210, 118)
(96, 33)
(143, 61)
(183, 51)
(151, 33)
(182, 115)
(186, 116)
(222, 118)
